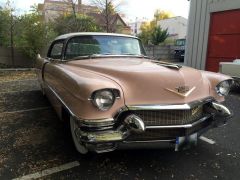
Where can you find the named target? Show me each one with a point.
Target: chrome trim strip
(186, 126)
(160, 107)
(58, 97)
(150, 141)
(92, 121)
(182, 94)
(97, 123)
(187, 106)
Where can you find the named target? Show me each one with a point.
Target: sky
(131, 8)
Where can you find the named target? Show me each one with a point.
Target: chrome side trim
(187, 106)
(58, 97)
(186, 126)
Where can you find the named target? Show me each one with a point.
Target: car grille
(170, 117)
(163, 134)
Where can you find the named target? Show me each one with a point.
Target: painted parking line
(27, 110)
(50, 171)
(210, 141)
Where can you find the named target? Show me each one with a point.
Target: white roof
(65, 36)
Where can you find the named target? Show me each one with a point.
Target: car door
(48, 73)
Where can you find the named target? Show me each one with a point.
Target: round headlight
(223, 88)
(103, 99)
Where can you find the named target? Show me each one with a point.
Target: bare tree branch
(109, 9)
(73, 4)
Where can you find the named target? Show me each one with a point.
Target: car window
(56, 51)
(103, 45)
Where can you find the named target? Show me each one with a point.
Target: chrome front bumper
(105, 136)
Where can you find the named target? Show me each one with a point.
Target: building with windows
(51, 9)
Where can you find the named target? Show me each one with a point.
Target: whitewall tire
(78, 145)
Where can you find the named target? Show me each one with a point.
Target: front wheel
(78, 145)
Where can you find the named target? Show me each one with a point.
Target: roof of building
(66, 36)
(100, 19)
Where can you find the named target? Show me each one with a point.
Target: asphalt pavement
(34, 144)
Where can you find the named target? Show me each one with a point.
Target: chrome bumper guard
(218, 115)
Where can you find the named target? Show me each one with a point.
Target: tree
(32, 34)
(5, 19)
(7, 26)
(146, 31)
(67, 24)
(150, 32)
(161, 15)
(73, 4)
(158, 35)
(107, 8)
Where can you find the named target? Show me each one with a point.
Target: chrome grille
(170, 117)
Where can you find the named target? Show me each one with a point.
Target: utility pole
(107, 16)
(74, 9)
(11, 37)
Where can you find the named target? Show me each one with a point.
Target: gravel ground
(32, 139)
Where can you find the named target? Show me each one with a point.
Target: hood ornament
(183, 91)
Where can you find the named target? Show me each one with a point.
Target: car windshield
(81, 46)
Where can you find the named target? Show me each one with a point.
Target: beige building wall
(177, 26)
(51, 9)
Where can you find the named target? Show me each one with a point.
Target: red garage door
(224, 39)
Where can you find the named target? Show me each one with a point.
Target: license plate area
(186, 142)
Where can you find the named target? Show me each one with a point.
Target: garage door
(224, 39)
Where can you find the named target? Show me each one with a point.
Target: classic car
(113, 96)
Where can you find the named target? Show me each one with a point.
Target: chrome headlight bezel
(104, 99)
(223, 88)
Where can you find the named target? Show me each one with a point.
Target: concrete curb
(18, 69)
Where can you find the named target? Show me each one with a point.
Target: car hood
(145, 82)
